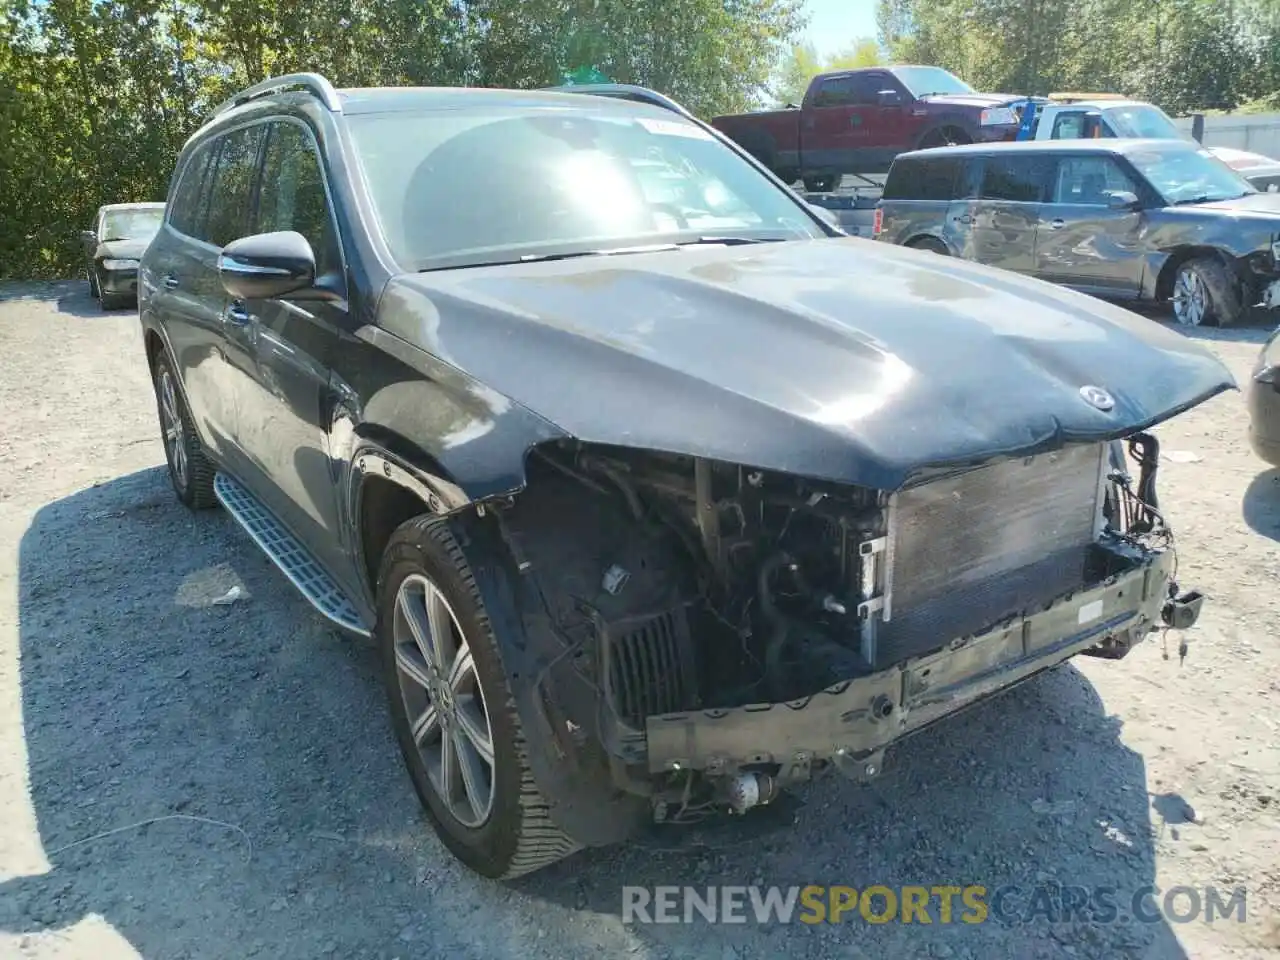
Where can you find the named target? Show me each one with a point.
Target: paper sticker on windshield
(673, 128)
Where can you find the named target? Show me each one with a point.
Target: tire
(515, 834)
(190, 471)
(1205, 294)
(93, 282)
(930, 244)
(821, 184)
(944, 137)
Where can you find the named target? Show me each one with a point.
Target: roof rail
(321, 88)
(625, 91)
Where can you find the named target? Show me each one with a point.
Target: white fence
(1258, 133)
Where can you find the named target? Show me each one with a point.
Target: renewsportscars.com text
(943, 903)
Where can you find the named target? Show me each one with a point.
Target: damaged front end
(730, 631)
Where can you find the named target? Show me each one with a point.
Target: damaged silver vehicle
(657, 495)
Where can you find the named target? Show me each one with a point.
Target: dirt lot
(127, 694)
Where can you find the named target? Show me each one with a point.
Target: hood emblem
(1097, 398)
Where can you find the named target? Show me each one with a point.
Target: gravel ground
(127, 694)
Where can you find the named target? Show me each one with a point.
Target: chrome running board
(320, 589)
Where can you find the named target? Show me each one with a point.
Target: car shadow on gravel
(219, 780)
(1261, 506)
(71, 297)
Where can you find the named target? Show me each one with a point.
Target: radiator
(970, 550)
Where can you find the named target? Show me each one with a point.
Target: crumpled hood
(127, 249)
(844, 359)
(1251, 205)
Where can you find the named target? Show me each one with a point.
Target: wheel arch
(920, 239)
(946, 122)
(1162, 288)
(549, 698)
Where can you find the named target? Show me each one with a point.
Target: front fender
(551, 698)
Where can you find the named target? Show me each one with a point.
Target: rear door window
(1016, 179)
(232, 181)
(292, 193)
(858, 89)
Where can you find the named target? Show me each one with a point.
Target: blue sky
(833, 24)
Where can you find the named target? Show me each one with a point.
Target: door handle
(171, 282)
(236, 315)
(966, 219)
(1057, 224)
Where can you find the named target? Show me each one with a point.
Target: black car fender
(555, 702)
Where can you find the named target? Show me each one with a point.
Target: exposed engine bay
(689, 595)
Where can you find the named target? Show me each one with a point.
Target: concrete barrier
(1259, 133)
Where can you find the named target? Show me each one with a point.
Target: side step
(288, 554)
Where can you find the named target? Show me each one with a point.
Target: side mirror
(267, 265)
(889, 98)
(88, 237)
(1122, 200)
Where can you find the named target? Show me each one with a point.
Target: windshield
(1187, 175)
(1145, 122)
(131, 224)
(922, 81)
(485, 185)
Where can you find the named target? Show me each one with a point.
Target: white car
(1073, 116)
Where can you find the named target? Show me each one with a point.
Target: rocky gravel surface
(183, 778)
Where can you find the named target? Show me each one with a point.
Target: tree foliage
(98, 96)
(1185, 55)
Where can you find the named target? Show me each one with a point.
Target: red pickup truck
(857, 121)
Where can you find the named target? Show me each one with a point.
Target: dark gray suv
(1123, 219)
(656, 495)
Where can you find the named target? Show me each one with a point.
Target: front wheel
(821, 184)
(1205, 294)
(452, 710)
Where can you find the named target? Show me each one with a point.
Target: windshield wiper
(727, 241)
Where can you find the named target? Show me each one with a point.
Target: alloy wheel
(1190, 298)
(174, 435)
(444, 701)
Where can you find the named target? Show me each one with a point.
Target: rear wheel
(1205, 294)
(452, 710)
(190, 471)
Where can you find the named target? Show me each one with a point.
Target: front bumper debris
(850, 723)
(1271, 295)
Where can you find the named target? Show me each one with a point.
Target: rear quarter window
(921, 179)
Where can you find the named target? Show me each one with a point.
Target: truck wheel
(452, 710)
(190, 471)
(1205, 293)
(944, 137)
(821, 184)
